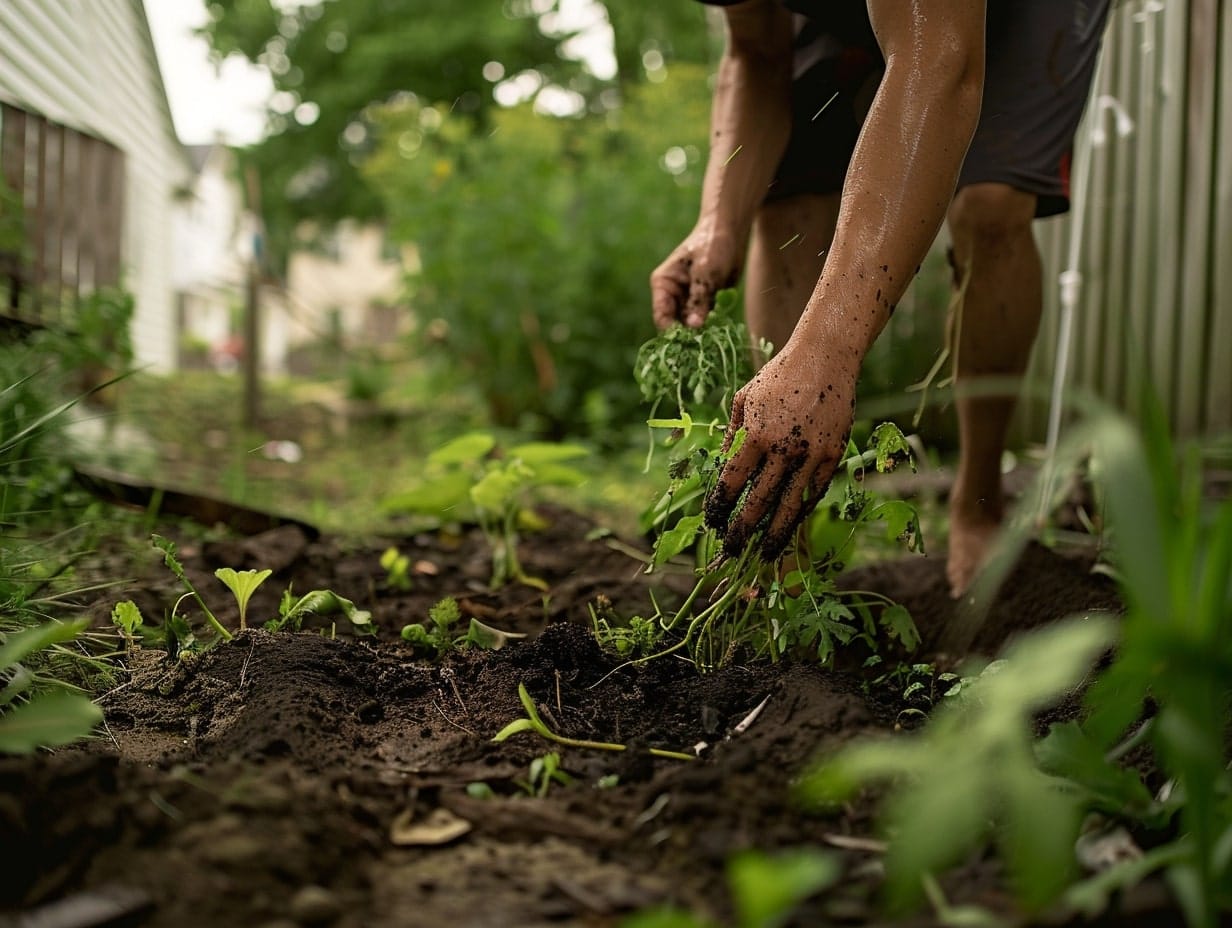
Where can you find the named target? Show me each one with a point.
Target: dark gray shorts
(1040, 60)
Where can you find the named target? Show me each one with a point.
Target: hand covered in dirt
(682, 288)
(797, 415)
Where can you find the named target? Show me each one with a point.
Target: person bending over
(842, 134)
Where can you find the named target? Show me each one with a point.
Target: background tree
(332, 61)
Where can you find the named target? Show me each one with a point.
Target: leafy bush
(537, 235)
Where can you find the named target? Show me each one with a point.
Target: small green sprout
(167, 547)
(533, 722)
(242, 584)
(397, 568)
(544, 771)
(440, 639)
(292, 611)
(127, 618)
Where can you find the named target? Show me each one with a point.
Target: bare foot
(973, 533)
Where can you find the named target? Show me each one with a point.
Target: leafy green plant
(744, 605)
(292, 610)
(544, 771)
(972, 769)
(533, 722)
(128, 619)
(440, 637)
(242, 584)
(35, 710)
(1172, 556)
(170, 558)
(397, 568)
(765, 888)
(473, 476)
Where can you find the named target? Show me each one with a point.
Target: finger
(760, 502)
(669, 288)
(736, 474)
(735, 422)
(667, 295)
(793, 507)
(700, 302)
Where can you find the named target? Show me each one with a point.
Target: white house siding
(90, 64)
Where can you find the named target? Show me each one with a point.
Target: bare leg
(995, 251)
(786, 256)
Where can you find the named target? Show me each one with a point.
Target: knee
(990, 217)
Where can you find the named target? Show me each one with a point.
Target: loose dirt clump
(316, 778)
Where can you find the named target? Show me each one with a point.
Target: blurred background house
(341, 289)
(90, 162)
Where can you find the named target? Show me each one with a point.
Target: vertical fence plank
(1145, 230)
(1198, 215)
(1218, 414)
(1169, 191)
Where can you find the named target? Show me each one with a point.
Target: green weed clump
(744, 606)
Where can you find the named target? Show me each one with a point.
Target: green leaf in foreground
(50, 720)
(242, 584)
(973, 765)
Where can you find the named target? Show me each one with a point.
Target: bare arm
(749, 124)
(797, 411)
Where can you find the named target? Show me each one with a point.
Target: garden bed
(303, 779)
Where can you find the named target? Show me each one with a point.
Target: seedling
(127, 617)
(533, 722)
(168, 548)
(440, 638)
(472, 477)
(544, 771)
(291, 610)
(242, 584)
(397, 569)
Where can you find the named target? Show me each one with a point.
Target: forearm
(750, 117)
(898, 187)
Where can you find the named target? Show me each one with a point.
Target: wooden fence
(61, 219)
(1155, 256)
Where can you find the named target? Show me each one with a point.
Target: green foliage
(700, 369)
(973, 767)
(242, 584)
(345, 59)
(397, 569)
(757, 609)
(544, 771)
(128, 619)
(471, 476)
(536, 235)
(31, 716)
(533, 722)
(168, 548)
(439, 637)
(292, 611)
(765, 888)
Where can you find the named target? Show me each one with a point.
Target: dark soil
(282, 778)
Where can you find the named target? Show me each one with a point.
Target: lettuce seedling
(242, 584)
(544, 771)
(397, 568)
